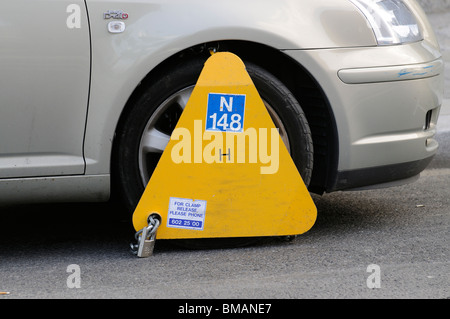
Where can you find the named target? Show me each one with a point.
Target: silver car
(91, 90)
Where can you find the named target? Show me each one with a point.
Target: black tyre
(142, 135)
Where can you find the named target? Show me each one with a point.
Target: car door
(44, 87)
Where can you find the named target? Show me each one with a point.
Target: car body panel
(61, 118)
(44, 86)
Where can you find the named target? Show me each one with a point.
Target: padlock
(145, 246)
(146, 241)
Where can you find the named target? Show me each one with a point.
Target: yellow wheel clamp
(225, 171)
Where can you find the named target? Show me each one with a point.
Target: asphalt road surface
(388, 243)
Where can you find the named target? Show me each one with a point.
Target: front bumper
(380, 177)
(385, 102)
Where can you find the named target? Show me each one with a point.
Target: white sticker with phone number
(186, 213)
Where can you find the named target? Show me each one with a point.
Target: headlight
(391, 21)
